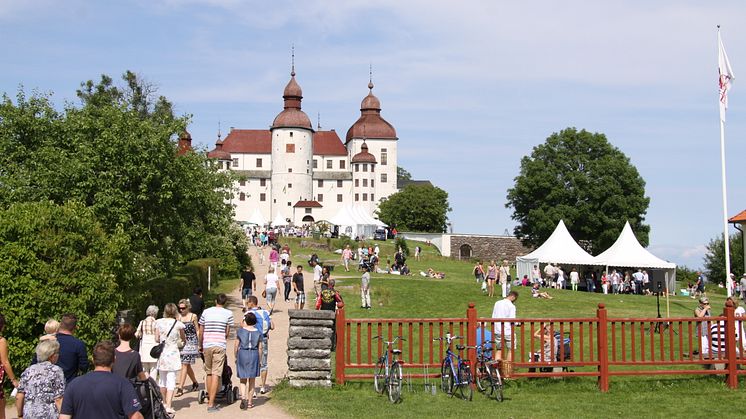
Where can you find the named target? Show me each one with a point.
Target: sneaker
(263, 390)
(213, 409)
(255, 394)
(244, 404)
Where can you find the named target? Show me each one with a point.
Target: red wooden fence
(596, 346)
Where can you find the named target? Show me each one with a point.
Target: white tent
(279, 220)
(560, 247)
(352, 222)
(257, 218)
(367, 218)
(628, 252)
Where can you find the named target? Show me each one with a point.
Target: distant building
(296, 173)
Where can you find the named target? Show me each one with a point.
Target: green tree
(416, 208)
(578, 177)
(54, 260)
(116, 154)
(402, 174)
(715, 258)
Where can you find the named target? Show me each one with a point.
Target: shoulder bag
(156, 350)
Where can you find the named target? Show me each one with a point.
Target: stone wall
(310, 348)
(486, 248)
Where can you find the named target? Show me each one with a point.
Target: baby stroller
(150, 399)
(227, 390)
(562, 353)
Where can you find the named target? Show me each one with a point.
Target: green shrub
(56, 260)
(343, 241)
(399, 242)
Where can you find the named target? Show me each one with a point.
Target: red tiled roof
(738, 218)
(327, 143)
(258, 141)
(307, 204)
(252, 141)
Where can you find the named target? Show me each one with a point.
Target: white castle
(300, 175)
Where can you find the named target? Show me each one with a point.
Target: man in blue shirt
(73, 355)
(264, 324)
(101, 394)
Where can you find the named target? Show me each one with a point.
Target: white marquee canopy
(628, 252)
(560, 247)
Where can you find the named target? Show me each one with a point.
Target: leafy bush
(399, 242)
(342, 242)
(56, 260)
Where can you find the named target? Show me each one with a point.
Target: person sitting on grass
(536, 293)
(431, 273)
(549, 344)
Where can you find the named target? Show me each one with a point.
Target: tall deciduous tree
(402, 174)
(578, 177)
(715, 258)
(416, 208)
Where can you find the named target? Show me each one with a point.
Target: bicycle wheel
(379, 376)
(483, 377)
(465, 380)
(395, 380)
(446, 377)
(496, 382)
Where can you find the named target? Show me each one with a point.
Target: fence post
(603, 348)
(340, 347)
(471, 336)
(730, 344)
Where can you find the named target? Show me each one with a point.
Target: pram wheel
(201, 397)
(229, 396)
(236, 396)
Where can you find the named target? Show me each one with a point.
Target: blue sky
(471, 87)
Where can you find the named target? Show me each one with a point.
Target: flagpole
(726, 236)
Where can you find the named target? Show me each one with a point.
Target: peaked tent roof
(628, 252)
(279, 220)
(257, 218)
(560, 247)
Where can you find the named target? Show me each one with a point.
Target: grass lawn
(415, 296)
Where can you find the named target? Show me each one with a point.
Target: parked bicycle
(388, 371)
(455, 372)
(487, 374)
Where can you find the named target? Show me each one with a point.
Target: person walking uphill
(264, 325)
(214, 328)
(247, 350)
(505, 278)
(101, 394)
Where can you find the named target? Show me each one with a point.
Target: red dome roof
(371, 124)
(218, 153)
(364, 156)
(292, 116)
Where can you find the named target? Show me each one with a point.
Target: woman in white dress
(170, 331)
(146, 333)
(270, 282)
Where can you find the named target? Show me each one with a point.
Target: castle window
(320, 198)
(384, 157)
(357, 182)
(339, 197)
(242, 197)
(321, 183)
(341, 164)
(242, 183)
(384, 178)
(262, 197)
(357, 167)
(365, 183)
(365, 197)
(329, 164)
(357, 197)
(308, 210)
(365, 167)
(290, 148)
(315, 164)
(290, 170)
(289, 204)
(372, 183)
(372, 167)
(258, 162)
(339, 183)
(291, 134)
(371, 197)
(262, 182)
(290, 185)
(235, 162)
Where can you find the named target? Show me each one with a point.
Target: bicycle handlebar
(388, 343)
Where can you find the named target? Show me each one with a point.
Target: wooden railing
(596, 346)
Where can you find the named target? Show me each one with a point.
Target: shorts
(300, 297)
(167, 379)
(508, 341)
(246, 293)
(214, 360)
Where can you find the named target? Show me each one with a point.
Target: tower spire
(292, 60)
(318, 121)
(370, 76)
(219, 135)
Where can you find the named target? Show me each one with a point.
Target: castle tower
(292, 153)
(380, 138)
(364, 179)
